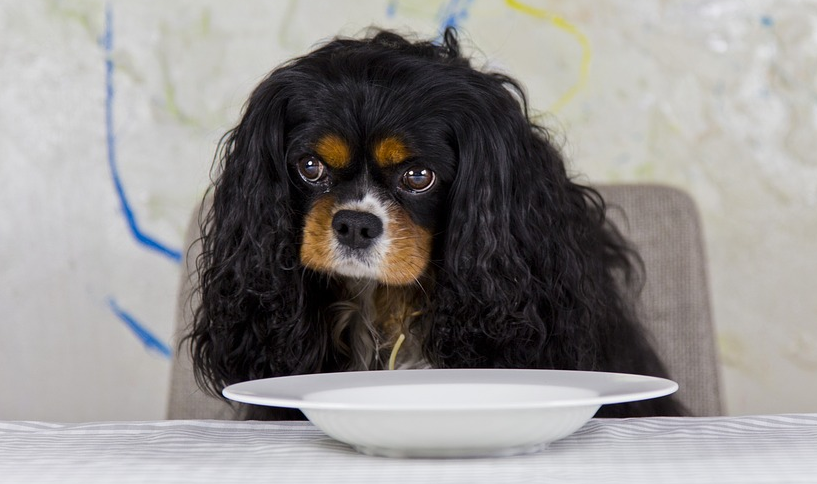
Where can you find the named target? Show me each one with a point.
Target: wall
(110, 113)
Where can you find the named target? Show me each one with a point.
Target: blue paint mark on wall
(767, 21)
(391, 8)
(150, 341)
(454, 13)
(140, 236)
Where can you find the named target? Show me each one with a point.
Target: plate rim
(238, 391)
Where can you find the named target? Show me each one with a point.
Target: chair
(186, 399)
(662, 222)
(664, 225)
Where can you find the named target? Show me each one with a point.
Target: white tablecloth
(768, 449)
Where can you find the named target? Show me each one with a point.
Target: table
(750, 449)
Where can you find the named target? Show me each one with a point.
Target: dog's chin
(358, 269)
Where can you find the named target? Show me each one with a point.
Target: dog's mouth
(365, 239)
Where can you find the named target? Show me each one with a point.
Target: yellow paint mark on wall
(562, 24)
(801, 350)
(732, 350)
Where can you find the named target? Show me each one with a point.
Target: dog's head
(396, 162)
(385, 152)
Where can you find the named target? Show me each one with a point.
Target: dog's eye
(311, 169)
(418, 180)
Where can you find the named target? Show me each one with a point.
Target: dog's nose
(356, 229)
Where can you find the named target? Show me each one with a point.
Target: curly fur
(524, 271)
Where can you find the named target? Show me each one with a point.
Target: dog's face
(371, 168)
(373, 202)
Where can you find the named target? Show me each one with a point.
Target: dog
(381, 199)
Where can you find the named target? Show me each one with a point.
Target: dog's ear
(250, 323)
(524, 250)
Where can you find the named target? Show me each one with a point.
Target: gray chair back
(664, 224)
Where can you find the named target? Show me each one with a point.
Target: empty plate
(450, 413)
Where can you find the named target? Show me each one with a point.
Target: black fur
(527, 272)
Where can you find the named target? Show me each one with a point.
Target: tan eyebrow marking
(391, 151)
(334, 151)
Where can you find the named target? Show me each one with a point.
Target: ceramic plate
(450, 413)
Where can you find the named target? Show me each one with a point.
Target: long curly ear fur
(532, 274)
(254, 320)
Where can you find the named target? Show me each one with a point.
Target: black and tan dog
(382, 189)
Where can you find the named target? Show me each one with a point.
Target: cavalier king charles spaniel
(382, 192)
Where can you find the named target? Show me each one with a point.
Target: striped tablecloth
(769, 449)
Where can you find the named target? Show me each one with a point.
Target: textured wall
(110, 113)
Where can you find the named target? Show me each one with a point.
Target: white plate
(450, 413)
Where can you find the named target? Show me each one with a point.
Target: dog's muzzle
(365, 239)
(355, 229)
